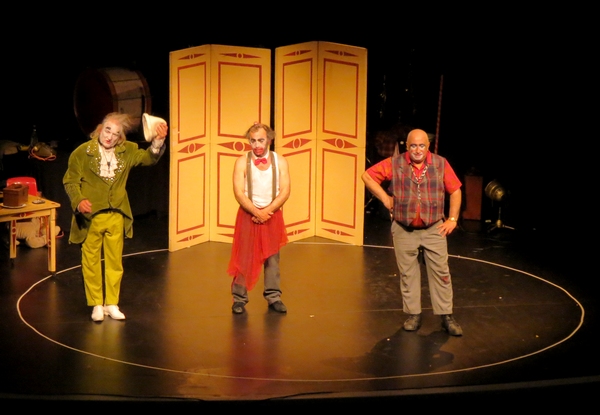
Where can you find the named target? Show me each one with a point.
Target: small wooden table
(33, 210)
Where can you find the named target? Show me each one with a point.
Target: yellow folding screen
(217, 91)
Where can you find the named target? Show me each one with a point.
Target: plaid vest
(408, 194)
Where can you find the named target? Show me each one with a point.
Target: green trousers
(105, 235)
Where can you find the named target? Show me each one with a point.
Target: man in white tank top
(261, 185)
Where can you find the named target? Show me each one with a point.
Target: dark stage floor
(529, 327)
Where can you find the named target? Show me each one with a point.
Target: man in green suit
(95, 183)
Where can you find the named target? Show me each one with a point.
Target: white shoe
(113, 312)
(98, 313)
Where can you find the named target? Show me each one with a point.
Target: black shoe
(238, 308)
(451, 326)
(278, 306)
(412, 323)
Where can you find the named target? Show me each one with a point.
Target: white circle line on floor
(356, 379)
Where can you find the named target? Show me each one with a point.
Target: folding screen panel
(321, 118)
(240, 96)
(341, 142)
(189, 127)
(296, 132)
(216, 93)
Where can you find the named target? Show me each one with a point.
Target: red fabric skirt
(252, 244)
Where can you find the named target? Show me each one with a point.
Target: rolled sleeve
(381, 171)
(451, 181)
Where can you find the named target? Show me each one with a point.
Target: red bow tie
(260, 160)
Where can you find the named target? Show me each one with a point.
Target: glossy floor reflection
(528, 326)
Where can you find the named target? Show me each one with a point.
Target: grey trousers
(272, 289)
(407, 242)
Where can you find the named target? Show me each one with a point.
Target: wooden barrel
(101, 91)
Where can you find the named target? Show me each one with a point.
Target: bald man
(419, 181)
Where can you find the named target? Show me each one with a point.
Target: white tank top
(262, 184)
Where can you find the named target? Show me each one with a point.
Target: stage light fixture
(497, 193)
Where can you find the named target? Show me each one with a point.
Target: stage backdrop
(217, 91)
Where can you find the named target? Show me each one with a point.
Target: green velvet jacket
(83, 181)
